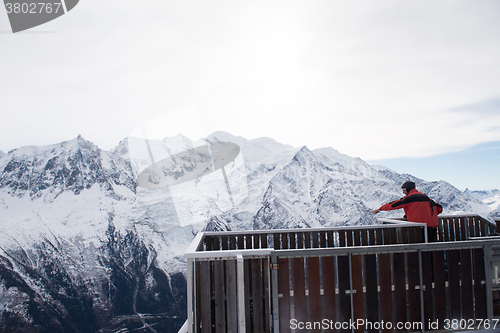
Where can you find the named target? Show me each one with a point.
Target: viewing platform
(377, 278)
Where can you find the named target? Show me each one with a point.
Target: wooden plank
(371, 290)
(241, 241)
(479, 286)
(224, 242)
(315, 239)
(419, 235)
(472, 229)
(293, 243)
(385, 288)
(387, 236)
(233, 242)
(458, 232)
(330, 242)
(204, 297)
(451, 229)
(216, 243)
(413, 287)
(364, 237)
(329, 282)
(300, 240)
(379, 237)
(482, 223)
(356, 238)
(232, 296)
(440, 230)
(344, 290)
(439, 288)
(256, 241)
(427, 287)
(307, 240)
(266, 282)
(314, 290)
(405, 236)
(342, 238)
(400, 306)
(248, 294)
(453, 257)
(248, 241)
(446, 230)
(349, 238)
(466, 284)
(284, 294)
(277, 241)
(357, 286)
(322, 239)
(299, 290)
(284, 241)
(219, 297)
(477, 227)
(393, 235)
(257, 300)
(463, 228)
(208, 243)
(263, 241)
(371, 237)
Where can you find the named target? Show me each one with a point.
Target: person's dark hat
(408, 186)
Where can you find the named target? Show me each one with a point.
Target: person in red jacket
(418, 207)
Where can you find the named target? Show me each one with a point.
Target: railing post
(421, 285)
(190, 294)
(275, 300)
(351, 290)
(241, 293)
(489, 288)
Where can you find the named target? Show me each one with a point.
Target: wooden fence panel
(232, 296)
(453, 258)
(204, 296)
(313, 278)
(357, 289)
(400, 287)
(439, 288)
(479, 284)
(371, 290)
(466, 284)
(257, 296)
(413, 287)
(427, 286)
(219, 297)
(385, 288)
(344, 289)
(284, 293)
(329, 283)
(299, 290)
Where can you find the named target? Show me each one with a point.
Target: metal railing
(343, 279)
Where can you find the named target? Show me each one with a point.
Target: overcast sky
(373, 79)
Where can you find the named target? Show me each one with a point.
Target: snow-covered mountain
(84, 249)
(489, 197)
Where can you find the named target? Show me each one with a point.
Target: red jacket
(418, 207)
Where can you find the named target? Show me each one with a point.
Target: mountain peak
(79, 143)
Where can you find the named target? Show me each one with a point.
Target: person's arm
(398, 204)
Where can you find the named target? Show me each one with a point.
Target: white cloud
(356, 75)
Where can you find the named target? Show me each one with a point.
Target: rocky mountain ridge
(84, 249)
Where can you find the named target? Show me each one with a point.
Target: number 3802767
(33, 8)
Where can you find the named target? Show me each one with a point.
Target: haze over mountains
(83, 248)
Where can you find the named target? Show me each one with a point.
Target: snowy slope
(82, 244)
(491, 198)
